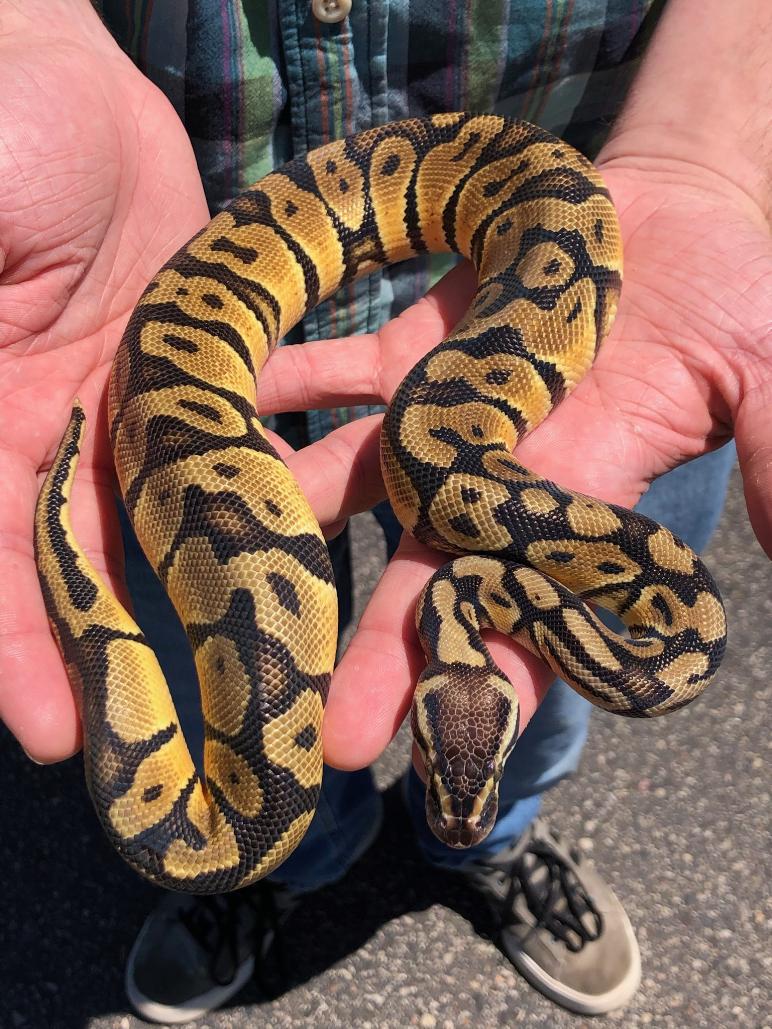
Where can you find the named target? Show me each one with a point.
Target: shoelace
(555, 895)
(213, 922)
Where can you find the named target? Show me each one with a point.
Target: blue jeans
(688, 500)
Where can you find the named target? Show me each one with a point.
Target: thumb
(754, 451)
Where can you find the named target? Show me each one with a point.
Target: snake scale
(243, 559)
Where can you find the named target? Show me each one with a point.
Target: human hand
(98, 187)
(686, 362)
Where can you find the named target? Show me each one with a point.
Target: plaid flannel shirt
(257, 82)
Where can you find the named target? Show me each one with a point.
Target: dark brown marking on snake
(306, 738)
(227, 471)
(285, 592)
(151, 793)
(498, 376)
(224, 245)
(270, 667)
(391, 164)
(212, 300)
(659, 602)
(273, 508)
(495, 149)
(256, 298)
(495, 186)
(180, 343)
(471, 141)
(470, 495)
(598, 230)
(464, 525)
(610, 567)
(174, 440)
(575, 311)
(255, 207)
(171, 314)
(81, 591)
(205, 410)
(146, 850)
(562, 557)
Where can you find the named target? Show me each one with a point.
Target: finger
(355, 370)
(374, 684)
(340, 475)
(322, 374)
(754, 452)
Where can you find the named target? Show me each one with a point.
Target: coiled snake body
(239, 550)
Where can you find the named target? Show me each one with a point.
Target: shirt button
(331, 11)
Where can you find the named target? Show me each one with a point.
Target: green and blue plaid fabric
(257, 82)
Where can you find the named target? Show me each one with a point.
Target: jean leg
(689, 500)
(392, 530)
(158, 620)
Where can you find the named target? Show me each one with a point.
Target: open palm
(98, 186)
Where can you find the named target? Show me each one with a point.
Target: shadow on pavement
(72, 910)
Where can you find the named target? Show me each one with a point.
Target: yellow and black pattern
(465, 712)
(243, 559)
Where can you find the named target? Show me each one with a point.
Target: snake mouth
(467, 827)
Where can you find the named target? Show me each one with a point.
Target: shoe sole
(189, 1010)
(205, 1003)
(573, 1000)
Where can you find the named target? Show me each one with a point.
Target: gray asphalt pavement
(674, 812)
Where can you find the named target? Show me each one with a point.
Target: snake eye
(489, 768)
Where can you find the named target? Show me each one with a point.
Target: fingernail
(32, 759)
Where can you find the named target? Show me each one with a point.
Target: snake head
(465, 722)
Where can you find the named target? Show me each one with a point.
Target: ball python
(243, 559)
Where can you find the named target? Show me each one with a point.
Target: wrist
(646, 154)
(700, 101)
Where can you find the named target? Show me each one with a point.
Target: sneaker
(195, 953)
(560, 925)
